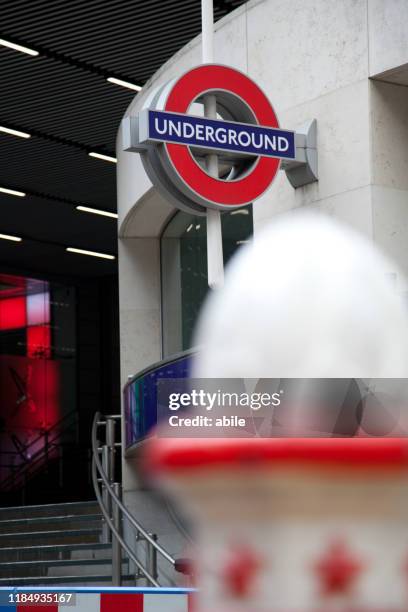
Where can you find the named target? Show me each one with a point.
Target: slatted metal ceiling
(62, 96)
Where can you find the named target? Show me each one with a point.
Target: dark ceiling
(61, 97)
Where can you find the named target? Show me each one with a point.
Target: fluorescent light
(116, 81)
(190, 227)
(92, 253)
(104, 157)
(14, 132)
(96, 211)
(10, 45)
(13, 238)
(20, 194)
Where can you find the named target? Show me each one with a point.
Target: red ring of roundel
(187, 89)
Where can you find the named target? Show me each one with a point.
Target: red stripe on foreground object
(121, 602)
(173, 454)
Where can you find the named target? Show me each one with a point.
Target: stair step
(62, 580)
(48, 523)
(15, 512)
(87, 569)
(57, 567)
(48, 537)
(53, 551)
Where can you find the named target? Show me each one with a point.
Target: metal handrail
(115, 532)
(100, 476)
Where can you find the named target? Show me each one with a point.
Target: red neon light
(39, 341)
(13, 313)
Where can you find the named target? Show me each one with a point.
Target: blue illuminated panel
(140, 396)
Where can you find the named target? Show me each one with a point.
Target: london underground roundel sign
(176, 140)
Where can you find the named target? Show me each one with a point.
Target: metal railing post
(116, 547)
(110, 442)
(151, 557)
(138, 573)
(105, 495)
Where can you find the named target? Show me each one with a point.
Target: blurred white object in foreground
(298, 525)
(308, 298)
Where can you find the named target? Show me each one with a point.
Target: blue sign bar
(214, 134)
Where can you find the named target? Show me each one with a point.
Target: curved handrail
(116, 499)
(138, 528)
(112, 527)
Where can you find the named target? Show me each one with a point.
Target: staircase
(56, 544)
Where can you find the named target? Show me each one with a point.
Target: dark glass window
(37, 369)
(184, 270)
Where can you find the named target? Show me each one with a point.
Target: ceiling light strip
(14, 192)
(12, 132)
(81, 207)
(97, 211)
(125, 84)
(15, 47)
(103, 157)
(91, 253)
(12, 238)
(46, 136)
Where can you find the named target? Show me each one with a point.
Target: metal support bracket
(303, 170)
